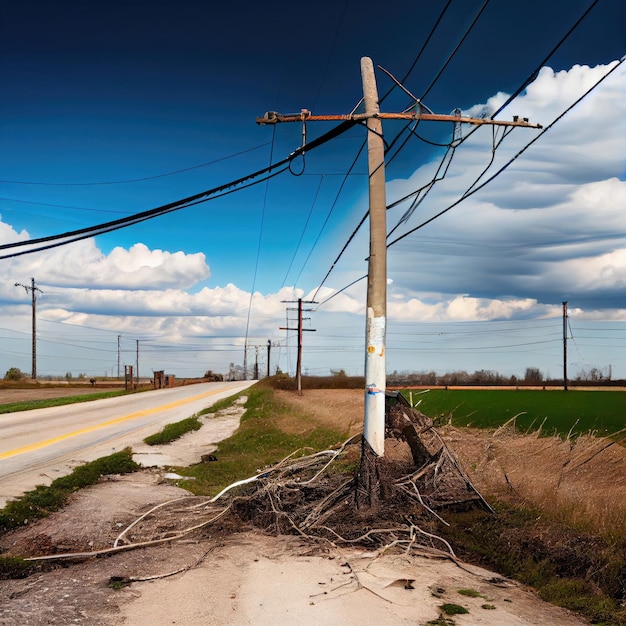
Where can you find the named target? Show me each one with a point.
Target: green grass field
(603, 412)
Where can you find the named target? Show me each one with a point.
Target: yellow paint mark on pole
(118, 420)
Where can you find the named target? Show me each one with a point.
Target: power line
(363, 144)
(62, 206)
(417, 103)
(270, 171)
(256, 265)
(332, 207)
(422, 49)
(475, 189)
(332, 50)
(306, 223)
(533, 75)
(138, 180)
(85, 233)
(472, 189)
(456, 48)
(524, 84)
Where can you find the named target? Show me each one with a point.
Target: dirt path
(241, 578)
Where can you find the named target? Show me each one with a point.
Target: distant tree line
(532, 376)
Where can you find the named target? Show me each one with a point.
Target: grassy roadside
(581, 572)
(268, 432)
(43, 500)
(171, 432)
(176, 430)
(27, 405)
(568, 565)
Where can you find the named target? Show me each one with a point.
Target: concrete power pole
(376, 322)
(375, 376)
(33, 288)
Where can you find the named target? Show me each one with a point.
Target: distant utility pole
(375, 376)
(256, 362)
(269, 349)
(300, 330)
(118, 355)
(137, 364)
(564, 346)
(33, 288)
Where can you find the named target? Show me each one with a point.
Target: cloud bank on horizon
(550, 228)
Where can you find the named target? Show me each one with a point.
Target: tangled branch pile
(315, 496)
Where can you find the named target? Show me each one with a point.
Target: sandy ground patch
(189, 449)
(239, 579)
(256, 579)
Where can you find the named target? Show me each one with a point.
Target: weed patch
(171, 432)
(14, 567)
(220, 405)
(453, 609)
(582, 573)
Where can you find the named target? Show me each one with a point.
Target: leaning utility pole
(375, 375)
(32, 288)
(300, 330)
(376, 320)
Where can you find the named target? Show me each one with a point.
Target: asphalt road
(40, 445)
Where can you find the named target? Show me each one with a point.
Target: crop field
(575, 412)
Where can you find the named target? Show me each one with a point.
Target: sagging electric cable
(198, 198)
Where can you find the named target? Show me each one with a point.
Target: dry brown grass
(335, 409)
(581, 482)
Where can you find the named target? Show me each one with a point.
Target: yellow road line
(118, 420)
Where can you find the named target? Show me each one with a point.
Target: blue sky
(113, 108)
